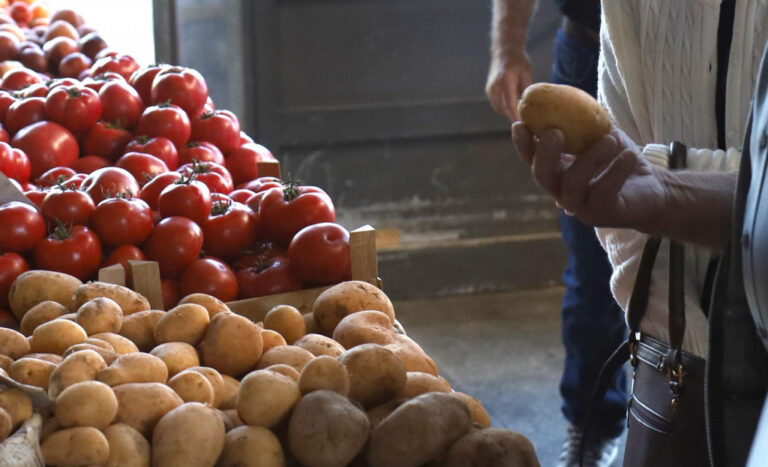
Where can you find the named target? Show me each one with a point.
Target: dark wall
(381, 102)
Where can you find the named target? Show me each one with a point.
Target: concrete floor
(505, 350)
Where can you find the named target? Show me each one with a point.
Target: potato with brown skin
(380, 412)
(317, 345)
(270, 339)
(285, 354)
(211, 303)
(364, 327)
(120, 344)
(286, 370)
(578, 115)
(412, 355)
(89, 403)
(127, 447)
(70, 317)
(77, 446)
(192, 387)
(376, 375)
(229, 393)
(220, 392)
(32, 371)
(184, 323)
(56, 336)
(33, 287)
(130, 302)
(178, 356)
(491, 447)
(50, 426)
(479, 414)
(346, 298)
(310, 323)
(251, 446)
(286, 320)
(231, 419)
(39, 314)
(141, 405)
(326, 430)
(13, 344)
(232, 344)
(77, 367)
(325, 373)
(109, 356)
(100, 315)
(418, 383)
(191, 435)
(5, 362)
(140, 328)
(6, 425)
(418, 431)
(137, 367)
(18, 405)
(265, 398)
(47, 357)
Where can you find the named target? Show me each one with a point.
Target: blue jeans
(592, 323)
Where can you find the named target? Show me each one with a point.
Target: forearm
(510, 24)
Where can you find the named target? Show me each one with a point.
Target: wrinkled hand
(506, 82)
(609, 185)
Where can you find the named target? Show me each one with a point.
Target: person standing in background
(592, 322)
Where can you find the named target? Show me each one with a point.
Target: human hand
(506, 81)
(608, 185)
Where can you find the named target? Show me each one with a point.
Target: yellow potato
(491, 447)
(178, 356)
(100, 315)
(191, 435)
(48, 357)
(479, 414)
(120, 344)
(77, 367)
(141, 405)
(220, 392)
(324, 373)
(310, 323)
(39, 314)
(184, 323)
(5, 362)
(578, 115)
(286, 354)
(231, 420)
(211, 303)
(346, 298)
(32, 371)
(412, 355)
(6, 425)
(89, 403)
(56, 336)
(127, 447)
(232, 344)
(33, 287)
(18, 405)
(13, 344)
(130, 302)
(270, 338)
(77, 446)
(284, 369)
(251, 446)
(380, 412)
(286, 320)
(265, 398)
(108, 355)
(192, 387)
(229, 393)
(376, 375)
(364, 327)
(137, 367)
(140, 328)
(418, 383)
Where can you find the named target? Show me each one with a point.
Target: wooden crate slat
(362, 246)
(268, 169)
(256, 309)
(114, 274)
(146, 281)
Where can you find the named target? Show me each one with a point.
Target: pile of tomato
(122, 162)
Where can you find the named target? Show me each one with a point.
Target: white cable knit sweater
(657, 78)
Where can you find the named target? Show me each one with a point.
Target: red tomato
(230, 230)
(171, 293)
(34, 59)
(89, 164)
(23, 168)
(243, 161)
(11, 267)
(107, 140)
(96, 82)
(91, 44)
(142, 166)
(33, 90)
(50, 85)
(6, 99)
(175, 243)
(141, 80)
(271, 276)
(261, 184)
(245, 139)
(124, 65)
(9, 46)
(4, 136)
(209, 276)
(222, 128)
(200, 151)
(75, 251)
(36, 196)
(241, 196)
(19, 78)
(121, 103)
(25, 112)
(7, 160)
(216, 177)
(220, 198)
(122, 221)
(76, 107)
(58, 48)
(47, 145)
(75, 181)
(184, 87)
(285, 211)
(74, 64)
(21, 12)
(151, 191)
(122, 255)
(109, 182)
(186, 197)
(160, 147)
(54, 176)
(168, 121)
(69, 207)
(320, 255)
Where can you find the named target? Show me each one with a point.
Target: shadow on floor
(505, 350)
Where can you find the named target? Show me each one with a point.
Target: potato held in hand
(574, 112)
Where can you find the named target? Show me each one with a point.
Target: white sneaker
(600, 452)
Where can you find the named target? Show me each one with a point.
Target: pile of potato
(201, 386)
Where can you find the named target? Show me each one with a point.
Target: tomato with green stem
(209, 276)
(73, 250)
(230, 230)
(78, 108)
(175, 243)
(106, 139)
(160, 147)
(122, 221)
(286, 210)
(267, 277)
(186, 197)
(67, 206)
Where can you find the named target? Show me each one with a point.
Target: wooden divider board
(145, 279)
(268, 169)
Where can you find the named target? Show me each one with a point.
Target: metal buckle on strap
(632, 342)
(675, 374)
